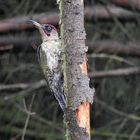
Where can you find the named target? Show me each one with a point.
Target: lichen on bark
(74, 40)
(76, 82)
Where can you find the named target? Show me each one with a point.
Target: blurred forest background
(113, 37)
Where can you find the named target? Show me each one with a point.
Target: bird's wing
(38, 54)
(54, 78)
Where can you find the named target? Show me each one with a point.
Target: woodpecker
(49, 56)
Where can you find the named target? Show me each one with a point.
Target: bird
(49, 56)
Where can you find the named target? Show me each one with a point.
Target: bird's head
(47, 31)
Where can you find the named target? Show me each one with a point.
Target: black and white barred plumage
(49, 54)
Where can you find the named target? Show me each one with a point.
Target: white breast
(52, 51)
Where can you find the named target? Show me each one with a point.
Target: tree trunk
(77, 90)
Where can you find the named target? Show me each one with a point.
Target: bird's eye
(48, 28)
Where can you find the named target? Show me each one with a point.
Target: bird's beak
(38, 25)
(40, 28)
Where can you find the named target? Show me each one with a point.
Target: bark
(77, 90)
(91, 14)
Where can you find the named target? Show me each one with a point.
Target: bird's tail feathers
(61, 100)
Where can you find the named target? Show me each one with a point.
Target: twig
(30, 132)
(26, 87)
(120, 128)
(127, 3)
(20, 86)
(115, 73)
(28, 116)
(26, 91)
(118, 112)
(134, 132)
(16, 137)
(111, 134)
(38, 118)
(115, 19)
(121, 59)
(25, 107)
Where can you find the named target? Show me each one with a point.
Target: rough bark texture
(79, 95)
(74, 39)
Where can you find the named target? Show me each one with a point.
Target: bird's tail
(61, 100)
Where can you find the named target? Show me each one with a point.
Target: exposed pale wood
(83, 116)
(83, 111)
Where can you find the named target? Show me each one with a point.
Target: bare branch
(114, 47)
(127, 3)
(25, 92)
(134, 132)
(28, 116)
(118, 112)
(96, 74)
(20, 23)
(116, 73)
(91, 13)
(101, 13)
(118, 58)
(20, 43)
